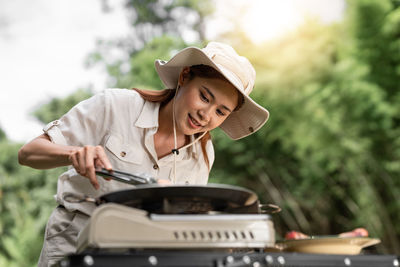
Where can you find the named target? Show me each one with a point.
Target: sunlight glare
(266, 19)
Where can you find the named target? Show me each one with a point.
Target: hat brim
(241, 123)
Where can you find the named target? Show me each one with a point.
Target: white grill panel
(118, 226)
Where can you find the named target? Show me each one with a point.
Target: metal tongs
(125, 177)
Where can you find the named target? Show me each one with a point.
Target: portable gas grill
(122, 236)
(117, 227)
(212, 225)
(177, 216)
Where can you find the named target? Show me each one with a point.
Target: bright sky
(44, 43)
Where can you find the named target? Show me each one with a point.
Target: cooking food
(358, 232)
(355, 233)
(328, 245)
(292, 235)
(348, 243)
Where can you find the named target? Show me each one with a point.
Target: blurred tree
(142, 73)
(57, 107)
(329, 153)
(152, 18)
(26, 194)
(157, 26)
(374, 29)
(289, 71)
(26, 201)
(2, 135)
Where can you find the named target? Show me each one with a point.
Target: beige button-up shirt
(123, 123)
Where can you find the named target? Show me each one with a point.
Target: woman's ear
(184, 75)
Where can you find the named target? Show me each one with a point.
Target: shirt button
(123, 154)
(155, 166)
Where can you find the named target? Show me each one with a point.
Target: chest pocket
(124, 151)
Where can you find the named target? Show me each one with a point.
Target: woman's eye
(203, 97)
(219, 112)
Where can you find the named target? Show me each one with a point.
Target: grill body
(114, 226)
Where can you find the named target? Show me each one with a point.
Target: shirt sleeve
(84, 124)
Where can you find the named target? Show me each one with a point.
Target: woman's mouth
(193, 123)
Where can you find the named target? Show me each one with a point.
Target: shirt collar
(148, 117)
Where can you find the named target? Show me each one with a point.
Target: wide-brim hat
(236, 69)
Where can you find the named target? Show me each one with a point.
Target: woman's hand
(41, 153)
(86, 159)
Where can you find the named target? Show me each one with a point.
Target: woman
(164, 134)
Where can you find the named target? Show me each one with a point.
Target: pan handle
(269, 208)
(77, 198)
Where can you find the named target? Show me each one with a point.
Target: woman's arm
(41, 153)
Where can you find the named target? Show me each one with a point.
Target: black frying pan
(181, 199)
(175, 199)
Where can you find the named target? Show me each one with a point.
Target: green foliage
(329, 153)
(168, 17)
(2, 135)
(375, 32)
(26, 200)
(142, 73)
(26, 195)
(157, 26)
(59, 106)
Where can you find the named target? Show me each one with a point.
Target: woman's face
(202, 104)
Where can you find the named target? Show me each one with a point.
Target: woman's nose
(204, 115)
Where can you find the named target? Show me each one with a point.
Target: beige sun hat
(236, 69)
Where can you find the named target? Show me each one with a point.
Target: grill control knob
(153, 260)
(269, 259)
(88, 260)
(246, 259)
(281, 260)
(229, 259)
